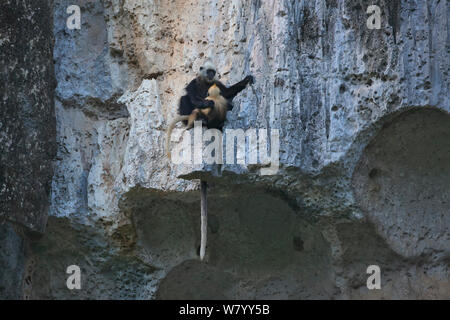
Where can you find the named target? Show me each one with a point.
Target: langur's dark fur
(197, 91)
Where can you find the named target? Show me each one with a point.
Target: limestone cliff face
(363, 120)
(27, 133)
(27, 119)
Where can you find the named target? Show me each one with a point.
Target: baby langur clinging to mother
(217, 113)
(206, 98)
(195, 99)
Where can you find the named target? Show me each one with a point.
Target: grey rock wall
(27, 136)
(13, 264)
(363, 117)
(27, 120)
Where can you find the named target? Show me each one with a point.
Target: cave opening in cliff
(258, 246)
(402, 181)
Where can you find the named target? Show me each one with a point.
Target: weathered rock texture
(403, 182)
(364, 174)
(27, 119)
(27, 135)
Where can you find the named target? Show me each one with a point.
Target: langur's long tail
(203, 218)
(169, 132)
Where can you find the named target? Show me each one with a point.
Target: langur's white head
(208, 72)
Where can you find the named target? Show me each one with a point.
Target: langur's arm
(231, 92)
(196, 99)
